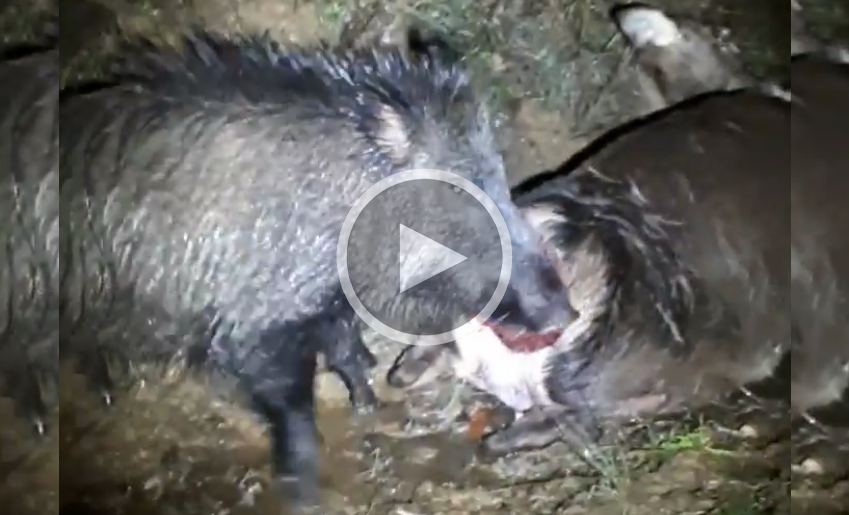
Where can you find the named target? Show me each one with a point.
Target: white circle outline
(506, 256)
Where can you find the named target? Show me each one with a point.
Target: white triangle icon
(414, 245)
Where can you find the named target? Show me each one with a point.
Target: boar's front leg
(279, 377)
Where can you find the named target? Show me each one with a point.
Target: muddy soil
(168, 446)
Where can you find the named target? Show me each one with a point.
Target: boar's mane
(260, 74)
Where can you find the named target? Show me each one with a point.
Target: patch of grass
(634, 450)
(686, 441)
(828, 21)
(23, 21)
(695, 439)
(563, 54)
(518, 48)
(337, 12)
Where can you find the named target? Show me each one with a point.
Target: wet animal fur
(205, 193)
(677, 268)
(624, 276)
(671, 301)
(29, 257)
(819, 224)
(820, 87)
(726, 293)
(652, 337)
(29, 311)
(158, 271)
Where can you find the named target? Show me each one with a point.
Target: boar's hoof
(361, 395)
(354, 373)
(366, 403)
(299, 494)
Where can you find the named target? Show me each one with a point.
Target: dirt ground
(560, 75)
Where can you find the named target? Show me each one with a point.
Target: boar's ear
(392, 133)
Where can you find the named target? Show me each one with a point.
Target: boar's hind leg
(538, 429)
(347, 355)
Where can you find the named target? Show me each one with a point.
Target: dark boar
(205, 194)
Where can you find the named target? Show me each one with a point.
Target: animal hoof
(367, 407)
(364, 401)
(299, 495)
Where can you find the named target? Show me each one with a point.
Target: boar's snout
(535, 309)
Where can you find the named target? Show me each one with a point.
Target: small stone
(749, 431)
(812, 466)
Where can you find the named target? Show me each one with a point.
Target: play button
(414, 244)
(424, 256)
